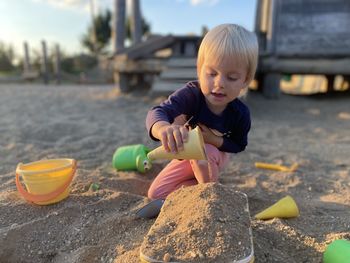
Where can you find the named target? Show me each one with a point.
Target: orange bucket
(46, 181)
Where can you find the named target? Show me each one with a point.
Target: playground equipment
(290, 42)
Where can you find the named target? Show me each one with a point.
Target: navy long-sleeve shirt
(234, 122)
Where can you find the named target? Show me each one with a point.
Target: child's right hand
(172, 136)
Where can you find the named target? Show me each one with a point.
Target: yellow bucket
(46, 181)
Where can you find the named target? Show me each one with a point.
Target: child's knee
(207, 169)
(157, 193)
(153, 193)
(213, 154)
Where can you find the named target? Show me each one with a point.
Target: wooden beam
(305, 66)
(145, 48)
(179, 74)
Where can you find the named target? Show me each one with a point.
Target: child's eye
(212, 74)
(232, 78)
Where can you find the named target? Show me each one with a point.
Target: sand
(89, 123)
(206, 222)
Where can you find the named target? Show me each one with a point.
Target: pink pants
(188, 172)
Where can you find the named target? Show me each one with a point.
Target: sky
(63, 22)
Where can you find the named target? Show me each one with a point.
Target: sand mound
(206, 222)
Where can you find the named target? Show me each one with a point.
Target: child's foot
(151, 210)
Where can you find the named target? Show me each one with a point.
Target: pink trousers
(188, 172)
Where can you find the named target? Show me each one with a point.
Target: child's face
(221, 83)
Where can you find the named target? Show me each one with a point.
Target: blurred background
(304, 44)
(81, 31)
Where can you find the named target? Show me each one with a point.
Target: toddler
(226, 63)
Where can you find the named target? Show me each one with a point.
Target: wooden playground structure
(29, 73)
(161, 63)
(302, 37)
(295, 37)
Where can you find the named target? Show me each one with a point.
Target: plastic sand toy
(284, 208)
(46, 181)
(337, 252)
(276, 167)
(193, 149)
(132, 158)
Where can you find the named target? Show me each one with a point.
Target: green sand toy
(337, 252)
(131, 158)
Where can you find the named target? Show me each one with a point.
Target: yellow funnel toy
(193, 149)
(284, 208)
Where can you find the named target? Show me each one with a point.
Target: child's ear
(246, 82)
(243, 92)
(245, 85)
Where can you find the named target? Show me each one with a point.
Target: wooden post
(261, 22)
(190, 49)
(118, 25)
(44, 64)
(118, 41)
(271, 85)
(57, 64)
(26, 62)
(93, 33)
(330, 83)
(269, 24)
(136, 26)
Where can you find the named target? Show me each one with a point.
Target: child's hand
(209, 137)
(172, 136)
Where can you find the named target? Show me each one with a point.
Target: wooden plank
(305, 66)
(30, 75)
(139, 66)
(179, 73)
(271, 86)
(165, 88)
(270, 16)
(182, 62)
(143, 49)
(312, 27)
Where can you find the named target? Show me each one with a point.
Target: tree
(146, 28)
(102, 29)
(6, 57)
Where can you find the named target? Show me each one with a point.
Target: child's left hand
(209, 137)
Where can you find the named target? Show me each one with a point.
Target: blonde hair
(233, 41)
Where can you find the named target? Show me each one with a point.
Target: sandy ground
(89, 123)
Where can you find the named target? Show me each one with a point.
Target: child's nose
(220, 83)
